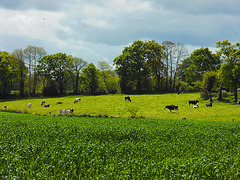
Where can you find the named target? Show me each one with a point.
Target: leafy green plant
(132, 108)
(54, 147)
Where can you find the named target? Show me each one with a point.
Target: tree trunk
(158, 83)
(209, 95)
(21, 83)
(235, 95)
(77, 79)
(174, 81)
(220, 92)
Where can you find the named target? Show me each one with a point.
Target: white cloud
(98, 30)
(33, 24)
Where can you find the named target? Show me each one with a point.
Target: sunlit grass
(53, 147)
(147, 106)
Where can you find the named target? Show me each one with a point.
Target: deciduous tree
(55, 68)
(19, 54)
(90, 78)
(9, 70)
(154, 53)
(132, 68)
(230, 69)
(77, 66)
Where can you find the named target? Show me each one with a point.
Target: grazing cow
(77, 100)
(47, 105)
(29, 105)
(127, 98)
(171, 107)
(184, 118)
(64, 111)
(196, 106)
(43, 103)
(5, 107)
(209, 105)
(193, 102)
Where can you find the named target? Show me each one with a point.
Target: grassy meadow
(157, 144)
(60, 147)
(142, 106)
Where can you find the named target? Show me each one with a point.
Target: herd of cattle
(127, 98)
(194, 102)
(43, 104)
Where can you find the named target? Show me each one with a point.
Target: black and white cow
(64, 111)
(77, 100)
(196, 106)
(193, 102)
(127, 98)
(5, 107)
(172, 107)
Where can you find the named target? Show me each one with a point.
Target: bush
(133, 109)
(50, 90)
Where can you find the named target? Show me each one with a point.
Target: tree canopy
(9, 70)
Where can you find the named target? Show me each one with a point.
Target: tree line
(31, 71)
(142, 67)
(166, 67)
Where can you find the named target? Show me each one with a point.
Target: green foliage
(155, 56)
(55, 68)
(210, 81)
(132, 108)
(90, 79)
(107, 78)
(201, 60)
(132, 68)
(50, 89)
(75, 71)
(9, 72)
(230, 70)
(49, 147)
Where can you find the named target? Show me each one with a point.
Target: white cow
(29, 105)
(64, 111)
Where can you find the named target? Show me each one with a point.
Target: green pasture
(142, 106)
(53, 147)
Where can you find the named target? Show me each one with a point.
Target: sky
(98, 30)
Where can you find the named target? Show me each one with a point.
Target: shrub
(50, 90)
(133, 109)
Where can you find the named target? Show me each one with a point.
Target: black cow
(43, 103)
(171, 107)
(209, 105)
(127, 98)
(193, 102)
(47, 105)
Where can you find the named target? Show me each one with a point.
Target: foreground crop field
(53, 147)
(144, 106)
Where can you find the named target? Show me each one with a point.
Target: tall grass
(50, 147)
(148, 106)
